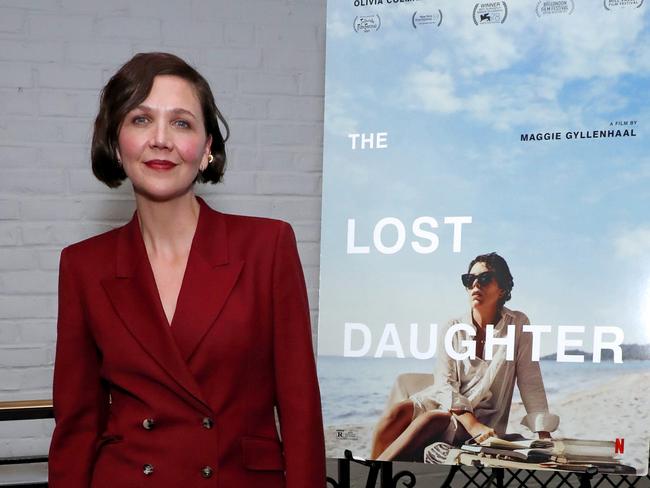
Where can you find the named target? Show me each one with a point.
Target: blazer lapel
(209, 278)
(135, 298)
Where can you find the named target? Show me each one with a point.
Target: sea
(355, 390)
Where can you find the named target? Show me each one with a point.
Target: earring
(210, 159)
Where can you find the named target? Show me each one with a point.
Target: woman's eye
(183, 124)
(140, 120)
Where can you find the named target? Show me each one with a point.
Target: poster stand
(477, 476)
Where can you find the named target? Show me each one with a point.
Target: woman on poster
(471, 398)
(182, 333)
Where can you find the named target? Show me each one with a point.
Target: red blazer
(141, 404)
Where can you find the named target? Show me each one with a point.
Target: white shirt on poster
(485, 387)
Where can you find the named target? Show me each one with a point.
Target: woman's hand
(481, 432)
(478, 431)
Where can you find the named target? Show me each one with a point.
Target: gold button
(206, 472)
(208, 422)
(147, 469)
(148, 423)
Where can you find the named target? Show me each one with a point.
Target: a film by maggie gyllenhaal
(485, 260)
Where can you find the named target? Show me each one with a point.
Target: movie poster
(456, 129)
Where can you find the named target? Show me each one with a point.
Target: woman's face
(162, 142)
(486, 296)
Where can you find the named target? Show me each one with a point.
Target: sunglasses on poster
(483, 278)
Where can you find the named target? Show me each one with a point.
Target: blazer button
(147, 469)
(208, 422)
(148, 423)
(206, 472)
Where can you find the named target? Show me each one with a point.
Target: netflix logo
(619, 445)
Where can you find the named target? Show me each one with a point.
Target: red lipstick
(161, 164)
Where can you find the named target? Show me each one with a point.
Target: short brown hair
(502, 273)
(129, 87)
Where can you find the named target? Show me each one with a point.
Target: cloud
(434, 90)
(633, 243)
(336, 26)
(337, 110)
(594, 44)
(626, 177)
(548, 72)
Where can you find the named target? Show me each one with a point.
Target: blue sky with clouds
(570, 216)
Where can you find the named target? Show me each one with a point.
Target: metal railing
(479, 477)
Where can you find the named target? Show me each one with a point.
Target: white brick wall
(265, 62)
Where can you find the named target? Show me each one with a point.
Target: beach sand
(606, 412)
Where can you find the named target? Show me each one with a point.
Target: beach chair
(406, 384)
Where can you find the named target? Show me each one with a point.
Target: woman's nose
(161, 137)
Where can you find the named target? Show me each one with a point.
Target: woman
(180, 333)
(471, 398)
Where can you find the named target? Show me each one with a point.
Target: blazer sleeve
(80, 399)
(297, 393)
